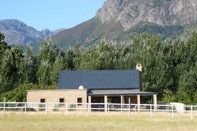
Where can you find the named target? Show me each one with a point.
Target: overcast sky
(50, 14)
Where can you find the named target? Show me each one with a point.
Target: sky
(50, 14)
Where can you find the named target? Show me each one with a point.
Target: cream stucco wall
(50, 96)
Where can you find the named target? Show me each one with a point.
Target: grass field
(95, 122)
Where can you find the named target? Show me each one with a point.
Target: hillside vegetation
(113, 31)
(169, 68)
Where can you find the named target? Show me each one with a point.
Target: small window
(79, 101)
(42, 100)
(61, 100)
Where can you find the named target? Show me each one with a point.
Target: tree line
(169, 68)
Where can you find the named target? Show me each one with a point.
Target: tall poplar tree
(47, 56)
(28, 68)
(57, 66)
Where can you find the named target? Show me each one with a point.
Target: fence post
(25, 108)
(4, 107)
(150, 111)
(129, 107)
(172, 112)
(66, 109)
(87, 108)
(108, 109)
(46, 111)
(191, 112)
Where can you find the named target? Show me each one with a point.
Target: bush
(71, 106)
(56, 107)
(41, 107)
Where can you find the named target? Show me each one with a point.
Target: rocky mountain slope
(121, 19)
(17, 32)
(161, 12)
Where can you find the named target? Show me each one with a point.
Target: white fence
(88, 108)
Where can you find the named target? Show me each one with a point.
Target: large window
(79, 101)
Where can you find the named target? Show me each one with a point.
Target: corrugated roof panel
(119, 92)
(99, 79)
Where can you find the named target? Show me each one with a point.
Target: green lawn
(136, 122)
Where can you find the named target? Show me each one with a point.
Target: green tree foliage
(9, 69)
(28, 68)
(6, 74)
(70, 59)
(107, 55)
(148, 50)
(47, 56)
(77, 56)
(57, 66)
(187, 72)
(3, 45)
(169, 68)
(90, 59)
(187, 88)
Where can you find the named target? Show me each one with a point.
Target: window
(79, 101)
(42, 103)
(61, 100)
(42, 100)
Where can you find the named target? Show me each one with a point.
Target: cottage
(95, 86)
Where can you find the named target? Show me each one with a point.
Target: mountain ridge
(120, 20)
(17, 32)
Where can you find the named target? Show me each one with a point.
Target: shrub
(56, 107)
(41, 107)
(71, 106)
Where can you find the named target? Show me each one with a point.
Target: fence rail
(87, 108)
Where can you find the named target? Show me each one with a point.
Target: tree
(148, 50)
(77, 56)
(187, 89)
(57, 66)
(70, 59)
(9, 69)
(107, 55)
(28, 68)
(3, 46)
(123, 57)
(90, 59)
(6, 74)
(47, 56)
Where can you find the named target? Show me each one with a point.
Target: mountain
(161, 12)
(58, 30)
(120, 20)
(17, 32)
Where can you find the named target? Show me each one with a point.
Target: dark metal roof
(100, 79)
(125, 92)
